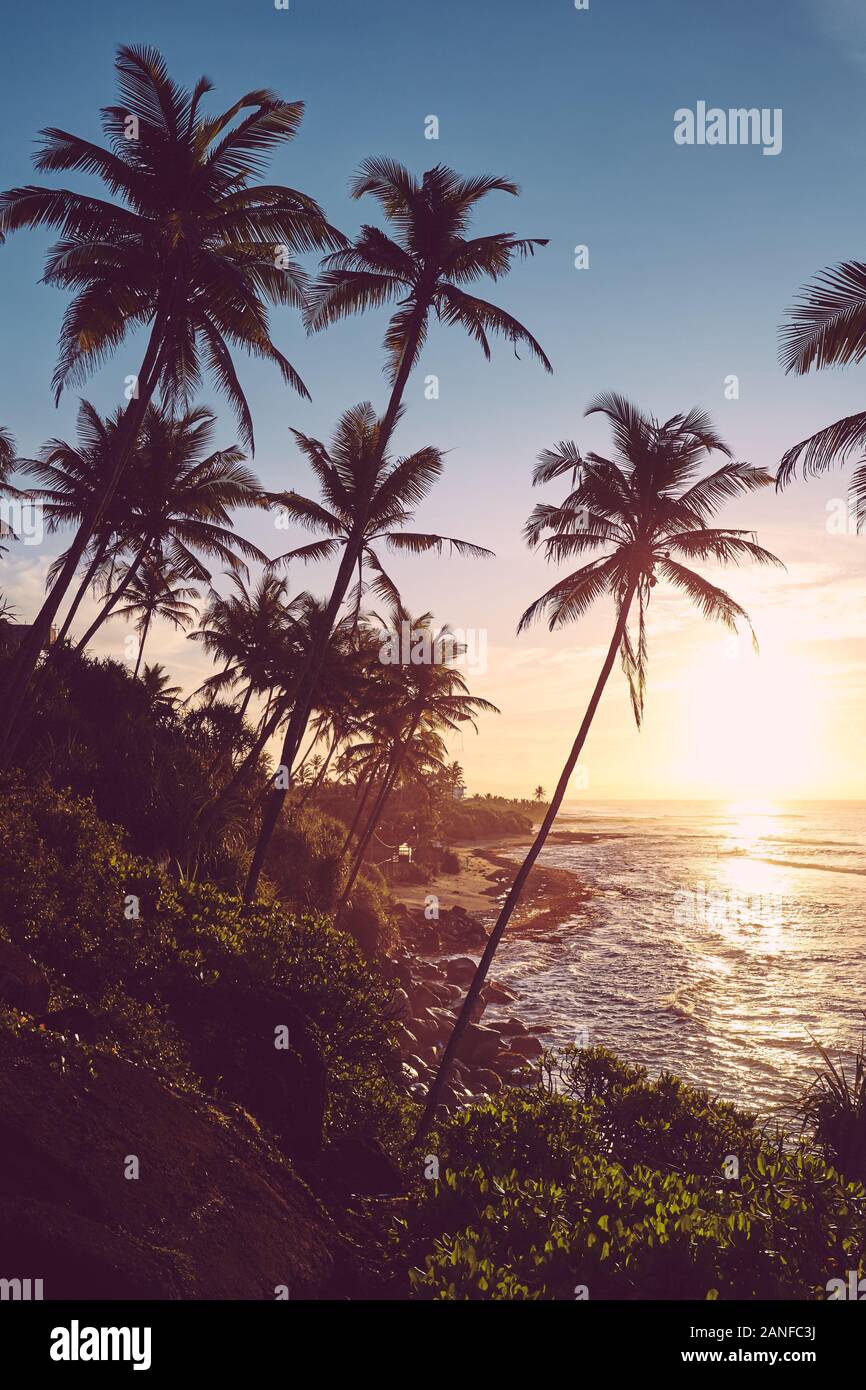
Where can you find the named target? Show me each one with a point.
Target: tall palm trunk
(358, 814)
(116, 596)
(320, 775)
(83, 587)
(14, 688)
(351, 555)
(385, 790)
(141, 646)
(440, 1080)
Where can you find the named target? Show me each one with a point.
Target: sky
(695, 252)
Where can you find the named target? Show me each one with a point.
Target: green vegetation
(616, 1187)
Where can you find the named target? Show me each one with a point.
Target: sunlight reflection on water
(716, 939)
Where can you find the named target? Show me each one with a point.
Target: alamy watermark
(737, 126)
(715, 908)
(21, 519)
(421, 646)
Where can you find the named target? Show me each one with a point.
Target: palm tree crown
(366, 498)
(649, 509)
(191, 240)
(827, 328)
(426, 264)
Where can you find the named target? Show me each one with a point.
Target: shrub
(116, 934)
(603, 1179)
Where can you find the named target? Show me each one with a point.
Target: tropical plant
(368, 500)
(646, 505)
(426, 697)
(827, 328)
(159, 590)
(422, 269)
(178, 503)
(193, 250)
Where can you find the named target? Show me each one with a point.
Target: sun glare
(751, 725)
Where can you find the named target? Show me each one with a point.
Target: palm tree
(161, 696)
(422, 269)
(7, 463)
(539, 794)
(73, 477)
(193, 249)
(159, 590)
(645, 506)
(827, 328)
(246, 631)
(425, 697)
(179, 499)
(367, 502)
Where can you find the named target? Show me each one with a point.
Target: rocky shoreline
(430, 991)
(433, 967)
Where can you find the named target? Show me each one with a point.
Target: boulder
(460, 970)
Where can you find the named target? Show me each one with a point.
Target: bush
(616, 1184)
(141, 953)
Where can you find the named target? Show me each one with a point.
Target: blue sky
(694, 255)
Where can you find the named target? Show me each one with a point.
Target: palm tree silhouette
(422, 269)
(161, 697)
(158, 590)
(423, 697)
(827, 328)
(73, 477)
(645, 506)
(246, 631)
(7, 464)
(539, 794)
(192, 249)
(368, 502)
(177, 502)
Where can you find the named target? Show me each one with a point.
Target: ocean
(719, 942)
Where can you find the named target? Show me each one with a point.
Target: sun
(750, 726)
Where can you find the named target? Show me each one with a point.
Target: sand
(487, 869)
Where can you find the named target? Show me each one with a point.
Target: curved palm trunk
(141, 646)
(385, 790)
(440, 1080)
(16, 684)
(82, 589)
(351, 555)
(114, 599)
(357, 816)
(320, 775)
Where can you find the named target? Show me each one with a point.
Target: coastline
(486, 872)
(437, 957)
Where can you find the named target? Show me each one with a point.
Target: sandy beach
(487, 868)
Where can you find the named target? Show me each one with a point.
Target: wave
(809, 864)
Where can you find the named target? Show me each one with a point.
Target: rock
(358, 1165)
(23, 985)
(460, 970)
(479, 1045)
(508, 1062)
(421, 1068)
(426, 1028)
(497, 994)
(527, 1046)
(487, 1081)
(216, 1213)
(401, 1004)
(424, 996)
